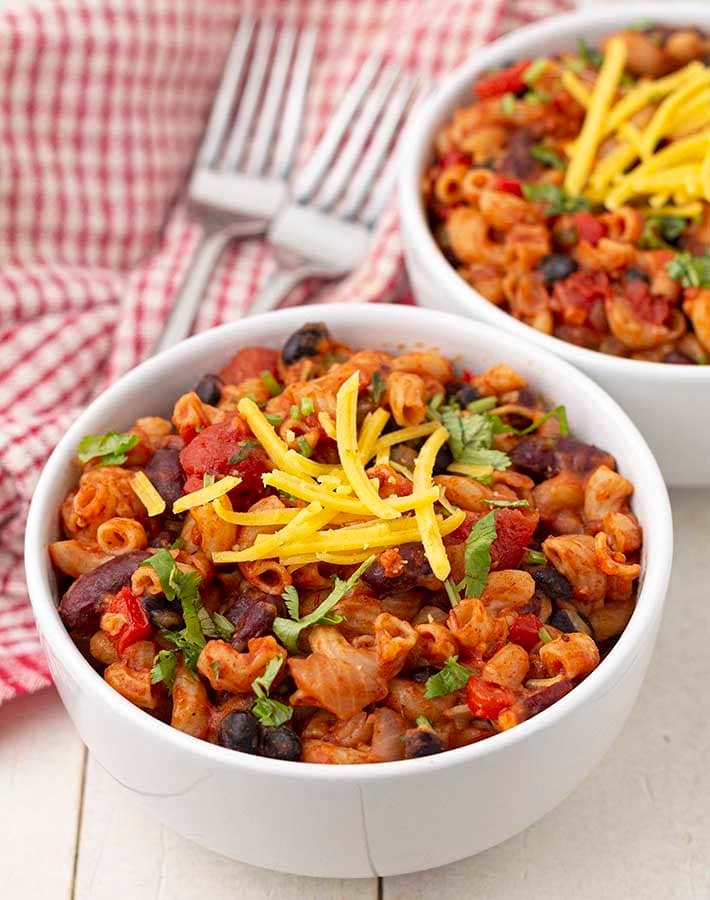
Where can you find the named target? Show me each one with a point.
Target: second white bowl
(667, 402)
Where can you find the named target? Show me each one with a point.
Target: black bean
(80, 607)
(165, 471)
(552, 583)
(422, 675)
(305, 342)
(161, 612)
(557, 266)
(239, 731)
(164, 539)
(569, 620)
(256, 621)
(416, 567)
(634, 274)
(209, 389)
(678, 358)
(280, 743)
(462, 393)
(421, 742)
(443, 459)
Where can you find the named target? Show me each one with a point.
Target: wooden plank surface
(639, 826)
(125, 854)
(41, 765)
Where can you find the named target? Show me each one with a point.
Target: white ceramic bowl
(351, 821)
(665, 401)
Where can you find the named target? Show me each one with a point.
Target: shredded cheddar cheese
(206, 494)
(427, 524)
(590, 137)
(146, 492)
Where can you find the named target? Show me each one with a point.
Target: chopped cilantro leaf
(555, 199)
(289, 630)
(534, 71)
(183, 586)
(507, 104)
(452, 592)
(164, 665)
(304, 447)
(470, 438)
(423, 722)
(451, 678)
(691, 271)
(477, 554)
(274, 419)
(661, 231)
(547, 157)
(306, 407)
(588, 56)
(545, 635)
(269, 712)
(246, 448)
(110, 448)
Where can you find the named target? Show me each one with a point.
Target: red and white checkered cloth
(102, 106)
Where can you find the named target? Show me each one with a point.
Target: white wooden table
(637, 829)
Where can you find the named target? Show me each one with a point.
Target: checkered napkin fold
(103, 106)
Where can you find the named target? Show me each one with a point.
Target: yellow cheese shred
(604, 90)
(146, 492)
(206, 494)
(370, 432)
(314, 493)
(426, 520)
(306, 522)
(404, 434)
(346, 438)
(261, 517)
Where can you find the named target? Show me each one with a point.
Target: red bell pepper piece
(508, 185)
(486, 700)
(508, 81)
(525, 631)
(136, 625)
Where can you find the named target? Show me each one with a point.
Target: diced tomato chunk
(644, 304)
(507, 81)
(486, 700)
(575, 296)
(588, 228)
(136, 625)
(508, 185)
(525, 630)
(249, 362)
(226, 448)
(454, 157)
(514, 528)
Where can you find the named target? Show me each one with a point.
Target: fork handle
(282, 282)
(188, 299)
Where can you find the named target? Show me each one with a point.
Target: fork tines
(362, 133)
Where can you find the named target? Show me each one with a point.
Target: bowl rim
(650, 599)
(420, 140)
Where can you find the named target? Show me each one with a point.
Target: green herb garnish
(246, 448)
(451, 678)
(470, 439)
(507, 504)
(378, 386)
(272, 385)
(477, 555)
(559, 413)
(304, 447)
(269, 712)
(534, 71)
(534, 558)
(482, 405)
(274, 419)
(164, 665)
(555, 199)
(295, 412)
(423, 722)
(507, 104)
(110, 448)
(547, 157)
(289, 630)
(306, 406)
(691, 271)
(452, 592)
(545, 635)
(534, 97)
(588, 56)
(661, 231)
(181, 586)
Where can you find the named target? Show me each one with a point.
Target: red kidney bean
(166, 473)
(80, 606)
(416, 568)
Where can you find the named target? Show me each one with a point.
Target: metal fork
(239, 179)
(325, 230)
